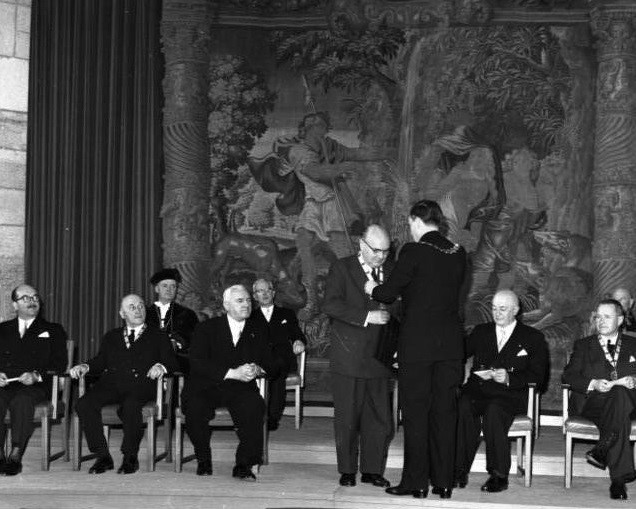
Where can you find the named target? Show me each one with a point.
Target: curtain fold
(94, 159)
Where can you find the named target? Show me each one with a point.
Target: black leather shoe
(243, 473)
(102, 463)
(13, 466)
(460, 481)
(400, 491)
(618, 491)
(495, 484)
(375, 479)
(129, 465)
(442, 492)
(597, 458)
(348, 480)
(204, 467)
(3, 464)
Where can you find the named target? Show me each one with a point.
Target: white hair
(231, 289)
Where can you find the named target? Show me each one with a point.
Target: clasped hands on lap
(245, 372)
(602, 385)
(499, 375)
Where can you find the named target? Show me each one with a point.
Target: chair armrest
(159, 398)
(263, 387)
(565, 402)
(301, 358)
(532, 403)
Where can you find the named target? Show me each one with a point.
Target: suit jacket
(524, 357)
(42, 349)
(353, 346)
(212, 353)
(130, 365)
(179, 324)
(283, 331)
(429, 276)
(588, 362)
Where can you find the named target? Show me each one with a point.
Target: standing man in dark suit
(429, 275)
(226, 356)
(507, 356)
(602, 376)
(176, 320)
(287, 341)
(30, 346)
(129, 360)
(361, 384)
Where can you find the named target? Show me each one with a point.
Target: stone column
(185, 31)
(614, 179)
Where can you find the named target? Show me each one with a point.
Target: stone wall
(15, 22)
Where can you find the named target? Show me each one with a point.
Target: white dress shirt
(504, 333)
(267, 312)
(236, 328)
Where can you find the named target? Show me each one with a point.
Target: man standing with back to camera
(429, 275)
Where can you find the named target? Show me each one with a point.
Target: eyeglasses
(29, 298)
(375, 250)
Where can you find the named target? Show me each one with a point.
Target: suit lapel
(357, 274)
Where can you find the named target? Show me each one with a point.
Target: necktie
(130, 339)
(375, 274)
(501, 340)
(611, 348)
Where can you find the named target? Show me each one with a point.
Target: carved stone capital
(613, 24)
(185, 29)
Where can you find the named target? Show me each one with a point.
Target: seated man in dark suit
(602, 376)
(227, 354)
(176, 320)
(30, 347)
(129, 360)
(507, 356)
(287, 341)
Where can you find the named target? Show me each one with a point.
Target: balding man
(507, 356)
(30, 346)
(624, 296)
(129, 360)
(227, 354)
(361, 384)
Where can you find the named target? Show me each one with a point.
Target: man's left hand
(500, 376)
(156, 371)
(298, 347)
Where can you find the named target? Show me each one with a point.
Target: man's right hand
(244, 373)
(79, 370)
(3, 380)
(602, 385)
(378, 317)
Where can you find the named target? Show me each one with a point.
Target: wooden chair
(523, 429)
(296, 382)
(576, 427)
(222, 419)
(53, 411)
(153, 413)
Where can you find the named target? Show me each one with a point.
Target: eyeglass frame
(375, 250)
(29, 298)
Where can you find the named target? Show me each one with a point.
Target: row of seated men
(227, 354)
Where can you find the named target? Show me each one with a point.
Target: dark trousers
(612, 412)
(428, 394)
(277, 397)
(20, 401)
(246, 408)
(130, 398)
(362, 423)
(494, 416)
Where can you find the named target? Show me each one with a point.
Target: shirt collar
(508, 328)
(609, 339)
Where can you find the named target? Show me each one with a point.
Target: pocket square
(284, 321)
(632, 359)
(522, 353)
(44, 334)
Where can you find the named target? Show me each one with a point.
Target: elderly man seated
(227, 354)
(129, 360)
(602, 375)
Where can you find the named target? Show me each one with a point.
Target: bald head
(624, 296)
(374, 245)
(505, 306)
(133, 310)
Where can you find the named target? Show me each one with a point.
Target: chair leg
(265, 443)
(298, 406)
(178, 444)
(150, 443)
(568, 460)
(66, 439)
(46, 442)
(77, 443)
(395, 409)
(527, 460)
(520, 469)
(168, 439)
